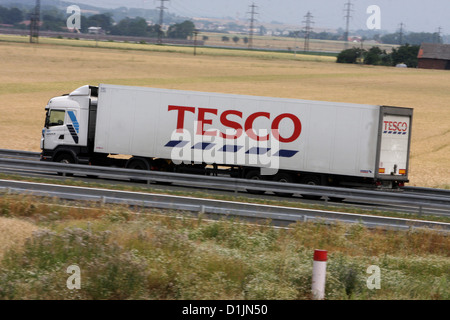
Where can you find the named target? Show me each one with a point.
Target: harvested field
(32, 74)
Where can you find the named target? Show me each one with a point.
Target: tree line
(406, 54)
(55, 20)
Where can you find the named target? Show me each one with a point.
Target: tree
(136, 27)
(104, 21)
(154, 30)
(375, 56)
(406, 54)
(236, 39)
(53, 20)
(181, 30)
(350, 55)
(225, 39)
(10, 16)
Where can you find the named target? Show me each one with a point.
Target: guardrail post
(318, 274)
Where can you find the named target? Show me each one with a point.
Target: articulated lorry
(286, 140)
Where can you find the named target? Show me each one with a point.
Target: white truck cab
(66, 126)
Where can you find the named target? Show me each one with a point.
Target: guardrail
(6, 153)
(233, 184)
(281, 216)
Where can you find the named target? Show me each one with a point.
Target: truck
(242, 136)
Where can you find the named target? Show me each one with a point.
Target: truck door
(61, 128)
(394, 143)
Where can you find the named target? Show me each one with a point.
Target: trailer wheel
(286, 178)
(312, 180)
(65, 158)
(254, 175)
(137, 164)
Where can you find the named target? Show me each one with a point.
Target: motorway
(278, 214)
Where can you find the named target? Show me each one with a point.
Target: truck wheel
(286, 178)
(312, 180)
(65, 158)
(137, 164)
(254, 175)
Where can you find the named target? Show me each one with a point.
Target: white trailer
(290, 140)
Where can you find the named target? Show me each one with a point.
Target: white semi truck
(287, 140)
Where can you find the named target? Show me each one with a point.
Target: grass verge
(126, 253)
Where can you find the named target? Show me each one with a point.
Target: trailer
(252, 137)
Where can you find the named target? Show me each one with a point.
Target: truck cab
(70, 126)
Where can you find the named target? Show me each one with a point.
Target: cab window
(55, 118)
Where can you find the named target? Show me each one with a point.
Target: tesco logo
(206, 116)
(395, 126)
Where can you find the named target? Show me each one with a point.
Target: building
(434, 56)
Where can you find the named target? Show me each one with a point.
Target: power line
(348, 10)
(307, 29)
(34, 22)
(161, 20)
(252, 21)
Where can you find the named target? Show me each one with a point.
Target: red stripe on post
(320, 255)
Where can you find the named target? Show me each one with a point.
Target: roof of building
(434, 51)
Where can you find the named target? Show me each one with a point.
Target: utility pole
(400, 34)
(34, 22)
(161, 21)
(252, 21)
(439, 35)
(195, 41)
(307, 30)
(348, 10)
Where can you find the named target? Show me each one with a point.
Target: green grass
(148, 254)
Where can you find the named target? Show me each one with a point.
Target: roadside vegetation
(130, 253)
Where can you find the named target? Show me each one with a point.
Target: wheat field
(32, 74)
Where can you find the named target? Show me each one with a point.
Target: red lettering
(202, 121)
(391, 128)
(386, 125)
(405, 126)
(231, 124)
(249, 126)
(297, 127)
(180, 119)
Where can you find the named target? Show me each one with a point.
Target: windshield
(55, 118)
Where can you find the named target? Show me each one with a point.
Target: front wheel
(65, 158)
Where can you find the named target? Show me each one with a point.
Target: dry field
(14, 232)
(32, 74)
(286, 43)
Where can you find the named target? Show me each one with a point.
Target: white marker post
(319, 273)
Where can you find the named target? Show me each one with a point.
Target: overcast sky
(417, 15)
